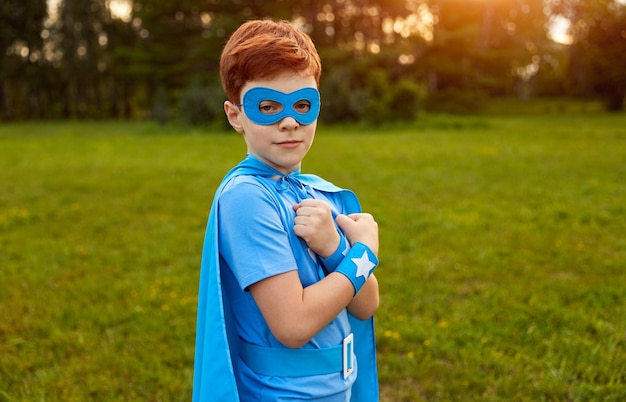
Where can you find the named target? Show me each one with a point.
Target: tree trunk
(7, 114)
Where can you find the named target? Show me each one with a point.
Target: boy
(287, 292)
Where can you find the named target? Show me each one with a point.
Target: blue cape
(214, 378)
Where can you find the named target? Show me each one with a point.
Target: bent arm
(296, 314)
(365, 303)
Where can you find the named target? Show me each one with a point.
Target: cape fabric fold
(214, 378)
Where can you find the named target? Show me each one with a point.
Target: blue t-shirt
(254, 245)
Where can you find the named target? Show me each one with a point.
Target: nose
(288, 124)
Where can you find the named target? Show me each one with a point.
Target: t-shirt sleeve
(252, 239)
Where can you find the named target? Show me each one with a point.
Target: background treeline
(383, 59)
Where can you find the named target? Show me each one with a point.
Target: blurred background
(383, 59)
(486, 136)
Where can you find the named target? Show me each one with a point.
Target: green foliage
(376, 108)
(201, 104)
(21, 24)
(88, 63)
(502, 254)
(340, 102)
(605, 56)
(160, 105)
(363, 91)
(476, 44)
(406, 100)
(456, 101)
(598, 54)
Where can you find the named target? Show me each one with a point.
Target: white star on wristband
(363, 265)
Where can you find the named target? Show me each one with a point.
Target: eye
(270, 107)
(302, 106)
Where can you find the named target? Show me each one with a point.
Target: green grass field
(503, 255)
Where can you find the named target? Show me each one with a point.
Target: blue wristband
(358, 265)
(335, 259)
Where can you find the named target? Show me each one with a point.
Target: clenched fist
(360, 228)
(315, 225)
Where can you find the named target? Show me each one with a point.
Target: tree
(21, 24)
(606, 59)
(598, 51)
(378, 55)
(481, 44)
(81, 30)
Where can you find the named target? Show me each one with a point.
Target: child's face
(283, 144)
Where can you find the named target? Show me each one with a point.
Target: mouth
(289, 144)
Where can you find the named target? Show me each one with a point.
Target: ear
(233, 114)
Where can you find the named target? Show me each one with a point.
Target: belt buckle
(348, 355)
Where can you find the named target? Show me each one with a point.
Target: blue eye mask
(266, 106)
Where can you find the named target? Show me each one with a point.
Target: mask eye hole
(270, 107)
(302, 106)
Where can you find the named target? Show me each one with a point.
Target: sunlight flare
(121, 9)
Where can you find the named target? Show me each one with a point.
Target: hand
(360, 228)
(314, 224)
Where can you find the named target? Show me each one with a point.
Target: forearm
(295, 314)
(332, 289)
(365, 303)
(324, 301)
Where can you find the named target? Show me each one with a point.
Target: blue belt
(284, 362)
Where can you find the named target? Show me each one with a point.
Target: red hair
(263, 49)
